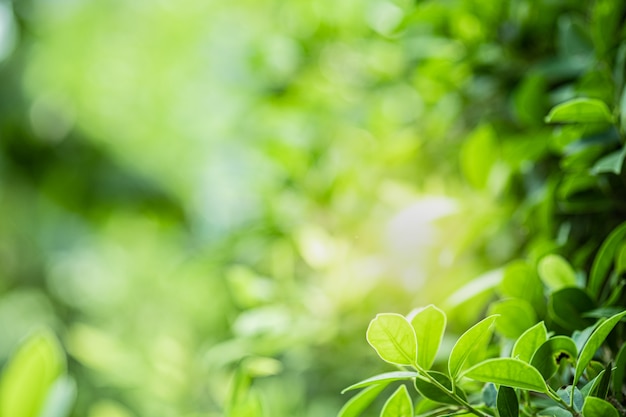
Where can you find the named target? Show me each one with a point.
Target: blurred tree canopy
(207, 201)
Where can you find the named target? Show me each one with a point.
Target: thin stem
(449, 393)
(570, 407)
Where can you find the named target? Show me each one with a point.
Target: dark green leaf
(508, 405)
(595, 341)
(580, 110)
(604, 259)
(620, 372)
(357, 404)
(382, 379)
(550, 354)
(429, 390)
(567, 306)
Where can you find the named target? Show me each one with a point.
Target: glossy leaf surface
(399, 404)
(470, 340)
(507, 371)
(580, 110)
(393, 338)
(382, 379)
(429, 324)
(357, 404)
(526, 345)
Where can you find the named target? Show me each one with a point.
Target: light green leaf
(520, 280)
(429, 390)
(595, 341)
(399, 404)
(556, 272)
(611, 163)
(60, 398)
(550, 354)
(604, 259)
(381, 379)
(516, 316)
(580, 110)
(507, 371)
(526, 345)
(470, 340)
(596, 407)
(393, 338)
(357, 404)
(554, 412)
(429, 324)
(478, 155)
(507, 403)
(30, 374)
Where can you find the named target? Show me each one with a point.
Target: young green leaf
(580, 110)
(399, 404)
(393, 338)
(620, 371)
(596, 407)
(357, 404)
(556, 272)
(604, 259)
(29, 375)
(507, 371)
(516, 316)
(595, 341)
(526, 345)
(385, 378)
(507, 403)
(550, 354)
(429, 324)
(470, 340)
(429, 390)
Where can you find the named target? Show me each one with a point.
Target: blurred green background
(207, 201)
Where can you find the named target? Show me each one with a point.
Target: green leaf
(60, 398)
(567, 307)
(520, 280)
(393, 338)
(507, 403)
(516, 316)
(580, 110)
(611, 163)
(566, 393)
(604, 259)
(526, 345)
(592, 386)
(556, 272)
(620, 371)
(470, 340)
(507, 371)
(596, 407)
(478, 155)
(357, 404)
(489, 394)
(595, 341)
(29, 375)
(550, 354)
(554, 412)
(429, 324)
(399, 404)
(381, 379)
(601, 390)
(429, 390)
